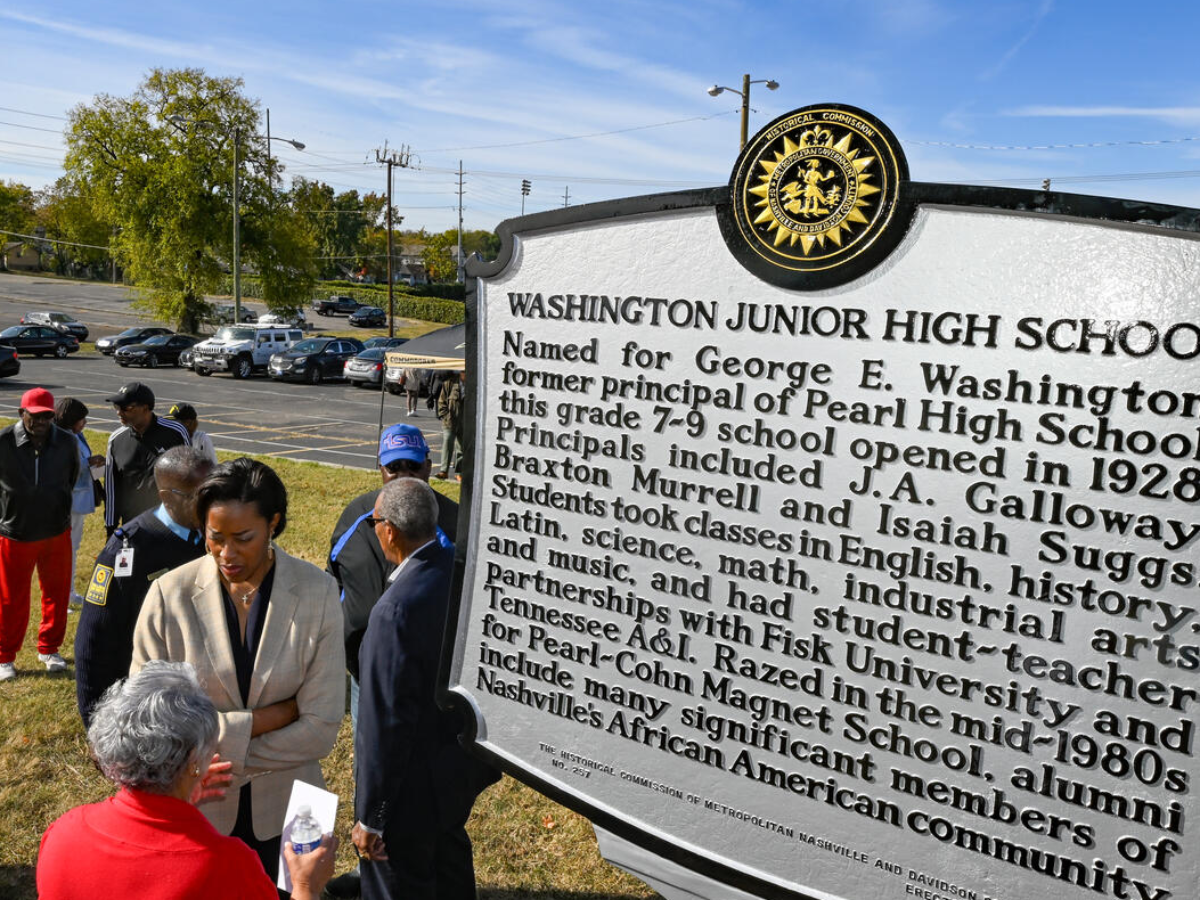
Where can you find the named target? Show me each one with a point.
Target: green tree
(438, 258)
(16, 208)
(340, 223)
(66, 213)
(160, 165)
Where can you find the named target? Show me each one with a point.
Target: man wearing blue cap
(355, 558)
(357, 562)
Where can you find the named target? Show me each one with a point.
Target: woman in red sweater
(153, 735)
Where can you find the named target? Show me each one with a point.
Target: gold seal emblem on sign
(816, 188)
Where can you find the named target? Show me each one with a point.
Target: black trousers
(423, 865)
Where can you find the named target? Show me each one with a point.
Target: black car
(39, 340)
(335, 306)
(162, 349)
(108, 345)
(369, 317)
(9, 364)
(384, 342)
(314, 359)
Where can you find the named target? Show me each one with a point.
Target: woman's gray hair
(146, 729)
(410, 505)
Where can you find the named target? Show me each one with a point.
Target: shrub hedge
(431, 303)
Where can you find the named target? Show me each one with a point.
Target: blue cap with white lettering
(402, 442)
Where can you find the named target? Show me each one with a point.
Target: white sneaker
(8, 671)
(54, 662)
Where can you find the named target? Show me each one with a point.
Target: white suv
(242, 350)
(59, 321)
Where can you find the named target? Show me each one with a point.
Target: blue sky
(500, 87)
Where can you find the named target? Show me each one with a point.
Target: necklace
(246, 598)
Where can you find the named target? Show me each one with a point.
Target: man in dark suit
(415, 784)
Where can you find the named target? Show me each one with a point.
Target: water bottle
(306, 831)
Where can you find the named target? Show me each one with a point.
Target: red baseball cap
(37, 400)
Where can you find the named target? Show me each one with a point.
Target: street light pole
(744, 93)
(745, 109)
(181, 123)
(237, 233)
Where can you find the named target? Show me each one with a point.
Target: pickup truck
(334, 306)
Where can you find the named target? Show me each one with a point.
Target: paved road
(329, 423)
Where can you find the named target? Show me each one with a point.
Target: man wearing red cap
(39, 463)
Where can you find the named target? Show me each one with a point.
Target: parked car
(187, 358)
(223, 314)
(367, 368)
(314, 359)
(293, 319)
(335, 306)
(384, 342)
(61, 321)
(162, 349)
(39, 340)
(10, 362)
(108, 345)
(369, 317)
(242, 350)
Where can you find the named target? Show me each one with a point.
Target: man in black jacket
(415, 784)
(39, 464)
(355, 558)
(132, 451)
(153, 543)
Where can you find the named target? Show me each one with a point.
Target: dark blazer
(413, 774)
(361, 569)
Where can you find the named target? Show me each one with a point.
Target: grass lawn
(525, 845)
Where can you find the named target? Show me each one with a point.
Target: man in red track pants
(39, 463)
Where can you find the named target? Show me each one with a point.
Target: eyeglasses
(186, 495)
(376, 520)
(41, 417)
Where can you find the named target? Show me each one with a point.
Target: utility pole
(461, 274)
(525, 186)
(567, 196)
(400, 158)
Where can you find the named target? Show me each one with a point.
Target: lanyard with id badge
(123, 566)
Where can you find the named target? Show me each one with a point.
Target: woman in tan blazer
(264, 632)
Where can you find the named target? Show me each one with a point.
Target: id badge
(124, 564)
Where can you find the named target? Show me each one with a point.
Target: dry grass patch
(526, 846)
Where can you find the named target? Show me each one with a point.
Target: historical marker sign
(836, 536)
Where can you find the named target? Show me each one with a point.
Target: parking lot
(332, 423)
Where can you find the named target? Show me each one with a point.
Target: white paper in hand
(324, 806)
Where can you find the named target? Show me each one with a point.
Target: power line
(1086, 179)
(36, 146)
(26, 112)
(32, 127)
(582, 137)
(46, 240)
(1182, 140)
